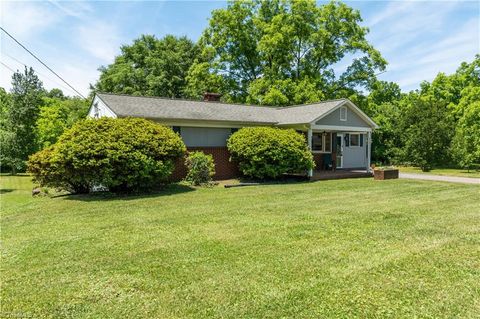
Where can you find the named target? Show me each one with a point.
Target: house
(337, 131)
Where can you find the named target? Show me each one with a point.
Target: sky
(417, 38)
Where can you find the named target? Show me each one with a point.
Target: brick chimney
(211, 97)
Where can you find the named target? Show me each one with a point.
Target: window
(343, 113)
(328, 142)
(317, 142)
(354, 140)
(322, 142)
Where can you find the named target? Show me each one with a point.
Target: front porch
(340, 140)
(339, 153)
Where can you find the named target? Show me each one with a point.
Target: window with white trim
(317, 142)
(354, 140)
(343, 113)
(322, 142)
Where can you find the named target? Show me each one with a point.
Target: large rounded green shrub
(120, 154)
(267, 152)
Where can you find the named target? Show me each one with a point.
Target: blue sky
(418, 38)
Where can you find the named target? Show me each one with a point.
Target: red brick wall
(224, 169)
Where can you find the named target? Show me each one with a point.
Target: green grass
(332, 249)
(442, 171)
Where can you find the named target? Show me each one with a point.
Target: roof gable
(357, 117)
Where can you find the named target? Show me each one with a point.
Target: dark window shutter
(176, 129)
(361, 139)
(347, 140)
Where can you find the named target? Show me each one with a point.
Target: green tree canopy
(149, 67)
(427, 128)
(26, 98)
(5, 103)
(466, 143)
(269, 52)
(419, 127)
(56, 115)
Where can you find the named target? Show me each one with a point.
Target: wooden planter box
(381, 174)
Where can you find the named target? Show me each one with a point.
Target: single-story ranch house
(337, 131)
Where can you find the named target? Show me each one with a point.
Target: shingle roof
(176, 109)
(300, 114)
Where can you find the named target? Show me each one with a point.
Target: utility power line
(39, 73)
(7, 67)
(38, 59)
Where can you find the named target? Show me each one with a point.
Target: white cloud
(462, 45)
(392, 9)
(424, 62)
(75, 45)
(410, 79)
(402, 23)
(100, 39)
(80, 77)
(421, 39)
(78, 9)
(25, 19)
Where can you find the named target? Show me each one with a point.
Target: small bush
(201, 168)
(120, 154)
(267, 152)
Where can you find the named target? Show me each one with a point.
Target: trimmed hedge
(267, 152)
(201, 168)
(125, 154)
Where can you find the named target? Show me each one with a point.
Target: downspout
(369, 153)
(309, 139)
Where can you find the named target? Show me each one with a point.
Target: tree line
(32, 118)
(435, 125)
(276, 53)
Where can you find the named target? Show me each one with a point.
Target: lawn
(442, 171)
(332, 249)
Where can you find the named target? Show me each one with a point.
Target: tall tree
(56, 115)
(466, 142)
(399, 115)
(427, 128)
(150, 67)
(382, 105)
(268, 52)
(26, 94)
(6, 136)
(56, 93)
(5, 103)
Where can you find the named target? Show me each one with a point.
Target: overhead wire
(43, 63)
(39, 73)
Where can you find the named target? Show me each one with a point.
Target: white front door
(339, 144)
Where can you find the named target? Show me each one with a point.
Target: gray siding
(334, 119)
(205, 136)
(356, 156)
